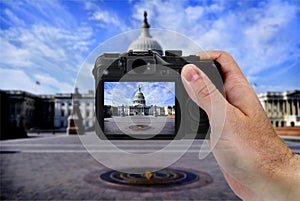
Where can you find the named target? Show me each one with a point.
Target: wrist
(284, 182)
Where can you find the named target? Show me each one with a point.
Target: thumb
(203, 92)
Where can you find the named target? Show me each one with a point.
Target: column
(293, 107)
(289, 107)
(266, 107)
(280, 107)
(277, 109)
(272, 108)
(297, 107)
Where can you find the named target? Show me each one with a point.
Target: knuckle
(202, 92)
(224, 53)
(206, 91)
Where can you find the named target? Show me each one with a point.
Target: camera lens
(136, 66)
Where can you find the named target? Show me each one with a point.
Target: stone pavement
(57, 167)
(157, 125)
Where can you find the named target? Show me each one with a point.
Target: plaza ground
(58, 167)
(127, 125)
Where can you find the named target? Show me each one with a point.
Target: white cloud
(104, 18)
(13, 18)
(14, 56)
(194, 13)
(50, 84)
(270, 38)
(44, 50)
(41, 48)
(85, 80)
(15, 79)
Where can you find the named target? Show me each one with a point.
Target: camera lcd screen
(139, 108)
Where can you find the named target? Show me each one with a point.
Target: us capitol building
(21, 111)
(139, 107)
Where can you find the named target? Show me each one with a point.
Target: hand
(256, 163)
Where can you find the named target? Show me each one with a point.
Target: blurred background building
(282, 108)
(23, 112)
(63, 104)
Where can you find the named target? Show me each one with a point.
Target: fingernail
(192, 75)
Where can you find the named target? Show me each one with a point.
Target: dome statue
(139, 99)
(145, 41)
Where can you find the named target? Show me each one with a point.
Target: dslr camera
(140, 96)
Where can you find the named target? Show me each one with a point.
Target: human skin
(255, 161)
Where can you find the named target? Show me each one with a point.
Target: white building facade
(62, 109)
(282, 108)
(63, 105)
(87, 109)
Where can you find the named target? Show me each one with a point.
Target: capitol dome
(145, 41)
(139, 99)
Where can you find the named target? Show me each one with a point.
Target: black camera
(140, 95)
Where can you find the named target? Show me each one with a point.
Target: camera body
(164, 112)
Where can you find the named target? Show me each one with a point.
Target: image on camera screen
(139, 108)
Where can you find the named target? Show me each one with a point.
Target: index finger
(238, 91)
(227, 62)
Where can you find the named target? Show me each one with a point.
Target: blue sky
(50, 41)
(155, 93)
